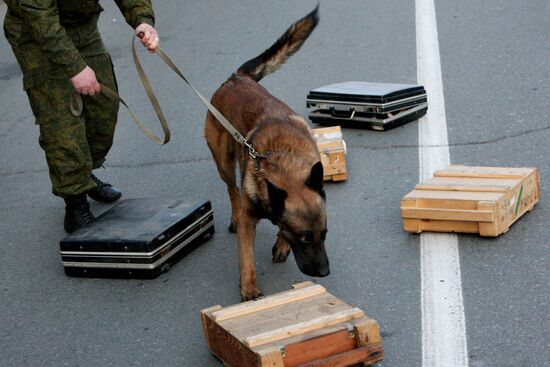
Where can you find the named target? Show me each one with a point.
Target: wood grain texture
(457, 170)
(468, 184)
(266, 303)
(318, 348)
(284, 315)
(227, 348)
(366, 331)
(445, 214)
(444, 226)
(303, 327)
(272, 358)
(301, 285)
(369, 354)
(204, 314)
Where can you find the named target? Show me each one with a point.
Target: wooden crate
(484, 200)
(333, 152)
(306, 327)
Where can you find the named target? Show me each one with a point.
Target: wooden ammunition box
(305, 327)
(333, 152)
(484, 200)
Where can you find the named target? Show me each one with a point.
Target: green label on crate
(519, 200)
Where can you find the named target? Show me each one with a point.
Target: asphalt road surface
(494, 61)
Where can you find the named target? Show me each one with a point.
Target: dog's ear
(315, 179)
(277, 198)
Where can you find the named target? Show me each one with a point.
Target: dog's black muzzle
(312, 259)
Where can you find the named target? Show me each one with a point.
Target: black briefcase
(137, 238)
(378, 106)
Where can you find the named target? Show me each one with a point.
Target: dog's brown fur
(287, 186)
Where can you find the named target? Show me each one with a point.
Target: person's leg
(100, 112)
(101, 116)
(63, 139)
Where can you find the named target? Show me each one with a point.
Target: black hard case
(379, 106)
(137, 238)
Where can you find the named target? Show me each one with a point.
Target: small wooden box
(305, 327)
(333, 152)
(484, 200)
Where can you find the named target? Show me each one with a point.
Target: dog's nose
(316, 271)
(324, 271)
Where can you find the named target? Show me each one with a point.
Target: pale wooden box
(305, 327)
(468, 199)
(333, 152)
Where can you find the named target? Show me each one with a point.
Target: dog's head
(299, 209)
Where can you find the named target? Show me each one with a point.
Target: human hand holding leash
(148, 36)
(85, 82)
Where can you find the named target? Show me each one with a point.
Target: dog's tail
(290, 42)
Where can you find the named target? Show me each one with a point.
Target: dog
(285, 184)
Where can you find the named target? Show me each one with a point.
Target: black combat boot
(104, 192)
(77, 213)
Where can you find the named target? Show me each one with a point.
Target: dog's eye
(307, 237)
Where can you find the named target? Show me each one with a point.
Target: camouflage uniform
(53, 40)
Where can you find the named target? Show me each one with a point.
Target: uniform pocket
(49, 98)
(36, 77)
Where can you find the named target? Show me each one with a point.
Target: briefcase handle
(342, 115)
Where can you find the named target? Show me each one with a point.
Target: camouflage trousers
(73, 145)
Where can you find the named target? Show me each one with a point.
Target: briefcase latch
(342, 115)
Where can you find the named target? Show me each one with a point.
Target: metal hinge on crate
(351, 330)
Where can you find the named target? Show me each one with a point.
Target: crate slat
(457, 170)
(453, 195)
(368, 354)
(467, 184)
(318, 347)
(264, 303)
(303, 327)
(445, 214)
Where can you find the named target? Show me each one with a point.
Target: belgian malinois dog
(285, 185)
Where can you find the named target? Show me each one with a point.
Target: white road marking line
(443, 322)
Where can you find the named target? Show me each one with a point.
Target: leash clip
(255, 155)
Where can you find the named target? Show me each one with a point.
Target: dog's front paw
(280, 253)
(250, 294)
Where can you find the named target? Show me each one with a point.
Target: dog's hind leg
(280, 250)
(222, 147)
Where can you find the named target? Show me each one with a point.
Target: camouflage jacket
(44, 22)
